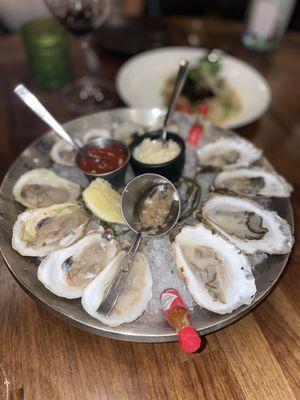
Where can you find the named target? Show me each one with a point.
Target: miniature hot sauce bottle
(197, 130)
(178, 316)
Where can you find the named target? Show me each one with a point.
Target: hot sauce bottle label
(170, 298)
(177, 315)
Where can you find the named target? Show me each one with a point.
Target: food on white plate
(205, 84)
(228, 153)
(253, 182)
(248, 225)
(41, 187)
(217, 274)
(153, 152)
(103, 201)
(133, 299)
(38, 232)
(63, 153)
(65, 272)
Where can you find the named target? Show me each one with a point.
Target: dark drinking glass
(81, 17)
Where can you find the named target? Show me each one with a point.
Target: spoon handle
(118, 283)
(37, 107)
(180, 79)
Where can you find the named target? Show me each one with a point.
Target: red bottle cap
(203, 109)
(195, 134)
(189, 339)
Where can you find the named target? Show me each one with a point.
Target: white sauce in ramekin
(152, 151)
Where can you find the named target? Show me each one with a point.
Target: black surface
(129, 36)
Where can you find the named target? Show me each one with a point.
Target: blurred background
(14, 13)
(75, 49)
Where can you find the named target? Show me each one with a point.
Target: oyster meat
(38, 232)
(217, 274)
(132, 301)
(231, 152)
(253, 182)
(41, 188)
(248, 225)
(65, 272)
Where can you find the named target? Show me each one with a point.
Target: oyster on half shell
(41, 187)
(38, 232)
(228, 152)
(132, 301)
(63, 153)
(126, 130)
(95, 133)
(248, 225)
(65, 272)
(253, 182)
(217, 274)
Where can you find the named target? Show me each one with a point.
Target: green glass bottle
(46, 44)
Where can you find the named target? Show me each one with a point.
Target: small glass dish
(115, 177)
(172, 169)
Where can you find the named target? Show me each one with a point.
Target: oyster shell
(41, 187)
(249, 226)
(63, 153)
(126, 130)
(132, 301)
(38, 232)
(217, 274)
(231, 152)
(96, 133)
(253, 182)
(65, 272)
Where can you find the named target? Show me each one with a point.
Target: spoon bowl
(137, 190)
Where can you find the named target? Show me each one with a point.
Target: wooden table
(255, 358)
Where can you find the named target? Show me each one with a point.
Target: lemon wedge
(103, 201)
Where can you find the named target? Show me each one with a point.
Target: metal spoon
(136, 189)
(180, 79)
(37, 107)
(117, 285)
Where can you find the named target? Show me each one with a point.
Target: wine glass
(81, 17)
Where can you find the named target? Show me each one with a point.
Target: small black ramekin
(172, 169)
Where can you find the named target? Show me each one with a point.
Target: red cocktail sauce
(100, 160)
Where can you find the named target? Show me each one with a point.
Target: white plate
(141, 79)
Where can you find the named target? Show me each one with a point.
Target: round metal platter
(149, 327)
